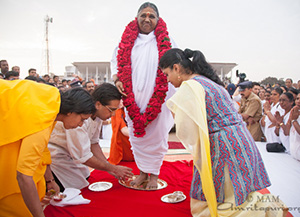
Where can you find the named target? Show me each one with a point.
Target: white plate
(166, 198)
(100, 186)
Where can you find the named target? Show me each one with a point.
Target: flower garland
(141, 120)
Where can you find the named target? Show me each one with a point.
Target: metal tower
(47, 20)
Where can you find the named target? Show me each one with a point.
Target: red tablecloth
(122, 201)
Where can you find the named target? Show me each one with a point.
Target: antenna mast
(47, 20)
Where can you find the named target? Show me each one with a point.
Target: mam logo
(258, 204)
(268, 199)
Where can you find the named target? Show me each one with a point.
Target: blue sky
(261, 36)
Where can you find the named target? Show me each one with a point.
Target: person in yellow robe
(29, 111)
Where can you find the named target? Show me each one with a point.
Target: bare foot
(139, 180)
(152, 184)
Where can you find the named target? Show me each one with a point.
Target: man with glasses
(74, 151)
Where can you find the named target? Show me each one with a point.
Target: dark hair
(76, 100)
(289, 79)
(30, 77)
(51, 84)
(2, 61)
(105, 93)
(197, 65)
(41, 80)
(55, 76)
(46, 76)
(293, 90)
(255, 83)
(85, 84)
(289, 96)
(11, 73)
(284, 87)
(278, 90)
(148, 4)
(31, 69)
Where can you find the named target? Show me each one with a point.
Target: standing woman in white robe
(295, 129)
(148, 150)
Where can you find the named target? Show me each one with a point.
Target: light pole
(47, 20)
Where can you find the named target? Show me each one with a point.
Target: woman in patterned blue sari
(228, 168)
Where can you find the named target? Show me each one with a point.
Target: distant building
(100, 71)
(222, 69)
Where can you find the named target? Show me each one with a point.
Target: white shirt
(270, 132)
(295, 142)
(285, 140)
(70, 149)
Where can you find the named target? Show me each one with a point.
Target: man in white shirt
(73, 151)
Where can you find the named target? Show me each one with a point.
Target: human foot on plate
(140, 179)
(152, 184)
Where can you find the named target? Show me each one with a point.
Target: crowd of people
(55, 81)
(270, 112)
(58, 125)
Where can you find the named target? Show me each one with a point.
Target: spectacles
(111, 110)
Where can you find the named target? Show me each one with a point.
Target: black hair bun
(188, 53)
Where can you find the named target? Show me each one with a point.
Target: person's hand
(46, 201)
(278, 117)
(251, 120)
(120, 87)
(122, 172)
(52, 187)
(267, 107)
(294, 113)
(52, 190)
(125, 131)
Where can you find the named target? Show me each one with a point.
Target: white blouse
(295, 142)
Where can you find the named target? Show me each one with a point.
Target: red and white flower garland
(141, 120)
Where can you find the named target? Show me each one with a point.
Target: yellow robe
(28, 111)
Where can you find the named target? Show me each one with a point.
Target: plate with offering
(161, 184)
(100, 186)
(175, 197)
(59, 197)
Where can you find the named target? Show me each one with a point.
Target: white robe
(285, 140)
(295, 142)
(270, 132)
(150, 149)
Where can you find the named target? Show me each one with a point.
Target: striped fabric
(231, 143)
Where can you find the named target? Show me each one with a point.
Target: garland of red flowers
(141, 120)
